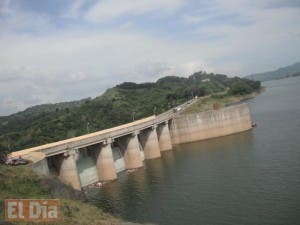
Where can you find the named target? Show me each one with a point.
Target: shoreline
(216, 101)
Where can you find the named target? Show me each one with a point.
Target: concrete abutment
(210, 124)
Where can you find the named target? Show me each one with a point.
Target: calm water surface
(247, 178)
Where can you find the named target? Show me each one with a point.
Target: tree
(240, 88)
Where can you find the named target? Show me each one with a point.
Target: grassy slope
(220, 100)
(21, 182)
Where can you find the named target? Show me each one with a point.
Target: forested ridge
(52, 122)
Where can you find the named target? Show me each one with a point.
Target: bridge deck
(100, 136)
(79, 138)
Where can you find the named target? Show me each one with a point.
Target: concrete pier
(132, 153)
(150, 143)
(105, 162)
(68, 169)
(164, 137)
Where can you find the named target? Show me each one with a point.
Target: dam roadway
(99, 156)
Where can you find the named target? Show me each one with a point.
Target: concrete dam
(100, 156)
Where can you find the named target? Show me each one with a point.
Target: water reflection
(247, 178)
(133, 190)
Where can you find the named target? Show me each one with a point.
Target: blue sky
(59, 50)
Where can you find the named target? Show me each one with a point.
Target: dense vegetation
(284, 72)
(47, 123)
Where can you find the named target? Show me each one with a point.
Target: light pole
(154, 110)
(133, 114)
(88, 127)
(8, 145)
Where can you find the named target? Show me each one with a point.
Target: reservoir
(247, 178)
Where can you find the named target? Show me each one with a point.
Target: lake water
(247, 178)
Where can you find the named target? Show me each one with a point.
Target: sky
(61, 50)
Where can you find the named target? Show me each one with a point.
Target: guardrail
(101, 136)
(87, 141)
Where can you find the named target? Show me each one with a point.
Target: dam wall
(210, 124)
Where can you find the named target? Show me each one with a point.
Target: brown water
(247, 178)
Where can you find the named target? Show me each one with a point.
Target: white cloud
(77, 76)
(38, 68)
(267, 40)
(74, 9)
(112, 9)
(4, 7)
(187, 68)
(76, 65)
(194, 19)
(11, 105)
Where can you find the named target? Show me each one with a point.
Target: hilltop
(120, 104)
(284, 72)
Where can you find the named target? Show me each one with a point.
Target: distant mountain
(288, 71)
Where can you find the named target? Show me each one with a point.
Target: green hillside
(47, 123)
(21, 182)
(284, 72)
